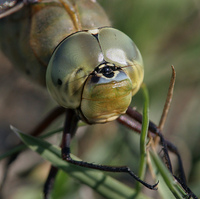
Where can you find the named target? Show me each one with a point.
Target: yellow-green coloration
(71, 62)
(96, 72)
(91, 69)
(106, 100)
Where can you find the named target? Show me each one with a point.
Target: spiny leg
(135, 124)
(7, 9)
(48, 186)
(152, 127)
(166, 144)
(71, 121)
(174, 150)
(69, 131)
(181, 179)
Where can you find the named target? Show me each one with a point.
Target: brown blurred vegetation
(167, 33)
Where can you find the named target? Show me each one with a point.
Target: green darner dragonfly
(36, 50)
(91, 69)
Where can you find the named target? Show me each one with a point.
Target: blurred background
(167, 33)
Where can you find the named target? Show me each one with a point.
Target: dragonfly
(89, 68)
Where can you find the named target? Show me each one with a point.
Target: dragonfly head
(95, 72)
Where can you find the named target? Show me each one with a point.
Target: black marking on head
(107, 70)
(59, 81)
(96, 36)
(109, 75)
(95, 78)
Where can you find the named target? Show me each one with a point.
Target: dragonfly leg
(69, 131)
(181, 179)
(50, 181)
(136, 123)
(153, 128)
(70, 118)
(7, 9)
(166, 144)
(174, 150)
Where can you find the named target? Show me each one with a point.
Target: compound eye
(121, 51)
(118, 48)
(71, 63)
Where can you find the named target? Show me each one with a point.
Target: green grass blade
(168, 187)
(104, 185)
(21, 147)
(143, 137)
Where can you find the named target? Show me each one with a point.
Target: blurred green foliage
(167, 33)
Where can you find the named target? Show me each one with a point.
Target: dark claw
(154, 187)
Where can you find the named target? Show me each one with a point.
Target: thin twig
(167, 104)
(168, 100)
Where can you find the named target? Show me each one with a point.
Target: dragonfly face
(93, 70)
(96, 72)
